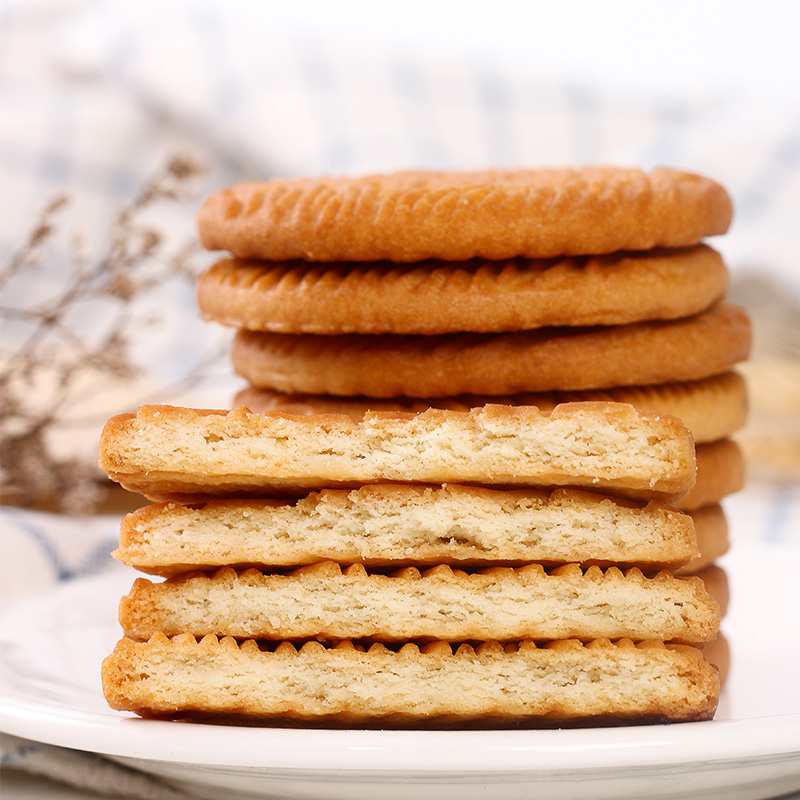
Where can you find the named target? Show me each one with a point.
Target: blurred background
(117, 119)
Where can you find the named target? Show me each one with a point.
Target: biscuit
(437, 684)
(715, 579)
(322, 601)
(721, 471)
(434, 297)
(167, 453)
(456, 216)
(543, 360)
(718, 653)
(711, 408)
(711, 528)
(401, 525)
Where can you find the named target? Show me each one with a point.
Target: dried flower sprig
(55, 356)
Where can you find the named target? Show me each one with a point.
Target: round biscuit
(548, 359)
(711, 527)
(711, 408)
(721, 471)
(434, 297)
(456, 216)
(718, 654)
(717, 585)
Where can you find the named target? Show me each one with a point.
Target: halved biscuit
(434, 297)
(404, 525)
(543, 360)
(166, 452)
(454, 216)
(711, 408)
(491, 685)
(322, 601)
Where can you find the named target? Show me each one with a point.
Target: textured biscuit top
(434, 297)
(548, 359)
(712, 408)
(171, 453)
(494, 214)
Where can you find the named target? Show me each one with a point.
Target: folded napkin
(85, 771)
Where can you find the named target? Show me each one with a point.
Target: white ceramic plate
(50, 651)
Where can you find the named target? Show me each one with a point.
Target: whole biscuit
(432, 297)
(721, 471)
(711, 527)
(496, 364)
(711, 408)
(455, 216)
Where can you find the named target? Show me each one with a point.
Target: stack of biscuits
(462, 484)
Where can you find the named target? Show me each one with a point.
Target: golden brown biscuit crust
(711, 527)
(549, 359)
(455, 216)
(721, 470)
(718, 653)
(711, 408)
(716, 582)
(433, 297)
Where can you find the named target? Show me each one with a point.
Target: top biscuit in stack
(450, 216)
(415, 285)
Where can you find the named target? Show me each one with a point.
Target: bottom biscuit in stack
(436, 684)
(478, 644)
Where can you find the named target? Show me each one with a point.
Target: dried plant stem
(54, 365)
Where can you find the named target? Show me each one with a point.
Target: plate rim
(523, 751)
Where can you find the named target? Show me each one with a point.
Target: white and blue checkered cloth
(96, 96)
